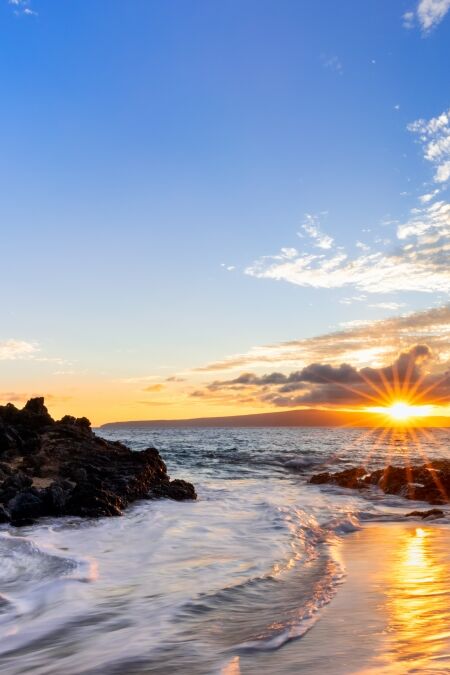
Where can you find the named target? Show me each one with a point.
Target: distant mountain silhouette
(288, 418)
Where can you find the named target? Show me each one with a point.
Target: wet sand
(391, 616)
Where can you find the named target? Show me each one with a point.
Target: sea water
(188, 587)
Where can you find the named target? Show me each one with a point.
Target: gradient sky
(187, 182)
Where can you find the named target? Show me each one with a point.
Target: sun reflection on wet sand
(418, 599)
(416, 603)
(391, 617)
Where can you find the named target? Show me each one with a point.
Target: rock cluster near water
(424, 482)
(61, 468)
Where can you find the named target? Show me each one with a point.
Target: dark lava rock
(349, 478)
(175, 489)
(62, 468)
(27, 504)
(5, 516)
(431, 513)
(424, 482)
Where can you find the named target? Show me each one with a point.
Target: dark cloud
(321, 383)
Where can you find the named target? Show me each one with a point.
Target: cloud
(11, 350)
(408, 20)
(426, 198)
(354, 298)
(434, 135)
(21, 397)
(373, 343)
(138, 379)
(312, 227)
(421, 265)
(388, 305)
(13, 397)
(428, 14)
(342, 385)
(431, 12)
(154, 387)
(332, 63)
(22, 7)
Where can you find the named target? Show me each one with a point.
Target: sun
(403, 412)
(400, 411)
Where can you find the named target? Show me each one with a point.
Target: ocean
(196, 587)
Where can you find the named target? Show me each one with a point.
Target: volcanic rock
(61, 468)
(431, 513)
(423, 482)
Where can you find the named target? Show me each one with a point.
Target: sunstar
(401, 411)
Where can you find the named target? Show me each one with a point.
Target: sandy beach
(391, 616)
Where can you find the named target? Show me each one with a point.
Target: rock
(431, 513)
(4, 515)
(175, 489)
(35, 415)
(27, 504)
(349, 478)
(56, 496)
(87, 501)
(62, 468)
(13, 484)
(424, 482)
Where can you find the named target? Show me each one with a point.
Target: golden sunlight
(402, 412)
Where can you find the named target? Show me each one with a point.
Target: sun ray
(383, 394)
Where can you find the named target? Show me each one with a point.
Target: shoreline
(391, 616)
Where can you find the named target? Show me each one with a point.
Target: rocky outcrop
(423, 482)
(60, 468)
(431, 514)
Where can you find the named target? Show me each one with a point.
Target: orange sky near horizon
(264, 379)
(104, 402)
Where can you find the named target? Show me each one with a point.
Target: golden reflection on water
(418, 599)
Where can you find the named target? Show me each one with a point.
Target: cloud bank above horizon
(322, 384)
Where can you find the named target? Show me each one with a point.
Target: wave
(265, 612)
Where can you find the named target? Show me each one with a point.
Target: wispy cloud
(22, 397)
(332, 63)
(431, 12)
(434, 134)
(409, 20)
(417, 266)
(428, 197)
(372, 343)
(22, 7)
(394, 306)
(154, 387)
(312, 228)
(427, 14)
(11, 350)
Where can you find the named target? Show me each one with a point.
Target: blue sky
(149, 146)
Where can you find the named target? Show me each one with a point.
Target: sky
(197, 191)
